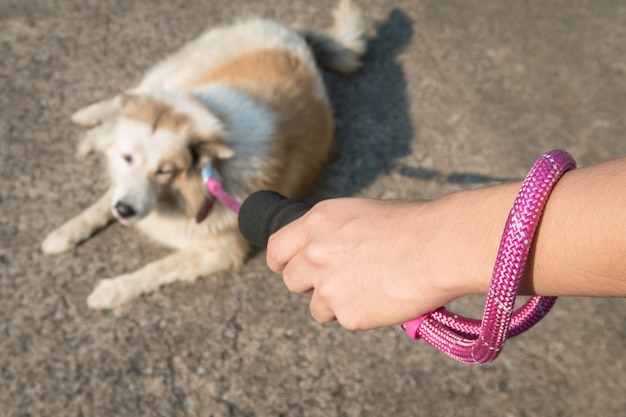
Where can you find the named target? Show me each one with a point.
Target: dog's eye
(166, 170)
(128, 158)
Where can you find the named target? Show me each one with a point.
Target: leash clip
(213, 184)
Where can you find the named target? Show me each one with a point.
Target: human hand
(367, 263)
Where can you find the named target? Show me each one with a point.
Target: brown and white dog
(247, 98)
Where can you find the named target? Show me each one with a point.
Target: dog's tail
(341, 48)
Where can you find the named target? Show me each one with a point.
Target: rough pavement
(453, 95)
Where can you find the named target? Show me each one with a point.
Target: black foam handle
(264, 212)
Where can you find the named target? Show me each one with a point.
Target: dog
(249, 100)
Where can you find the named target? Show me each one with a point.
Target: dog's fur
(248, 99)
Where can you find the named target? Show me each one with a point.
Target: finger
(283, 245)
(297, 277)
(320, 310)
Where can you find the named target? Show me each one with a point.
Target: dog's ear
(98, 120)
(106, 110)
(97, 113)
(96, 139)
(207, 148)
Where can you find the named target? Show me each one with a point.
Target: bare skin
(370, 263)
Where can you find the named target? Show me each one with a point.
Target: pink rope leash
(216, 189)
(481, 341)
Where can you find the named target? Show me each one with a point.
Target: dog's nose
(125, 210)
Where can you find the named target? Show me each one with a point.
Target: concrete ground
(453, 95)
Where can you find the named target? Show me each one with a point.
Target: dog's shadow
(373, 128)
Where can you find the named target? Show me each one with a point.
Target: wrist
(471, 224)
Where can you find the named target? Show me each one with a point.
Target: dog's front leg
(225, 253)
(81, 227)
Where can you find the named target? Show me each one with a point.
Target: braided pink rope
(478, 342)
(217, 190)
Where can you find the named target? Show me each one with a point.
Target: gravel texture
(453, 95)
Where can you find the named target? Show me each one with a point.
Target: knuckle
(272, 244)
(326, 292)
(289, 282)
(316, 316)
(320, 316)
(350, 322)
(316, 254)
(320, 215)
(273, 254)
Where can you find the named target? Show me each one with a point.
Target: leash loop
(481, 341)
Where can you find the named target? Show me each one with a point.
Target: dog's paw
(108, 294)
(57, 242)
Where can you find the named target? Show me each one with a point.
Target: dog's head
(160, 145)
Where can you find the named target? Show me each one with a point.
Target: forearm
(579, 247)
